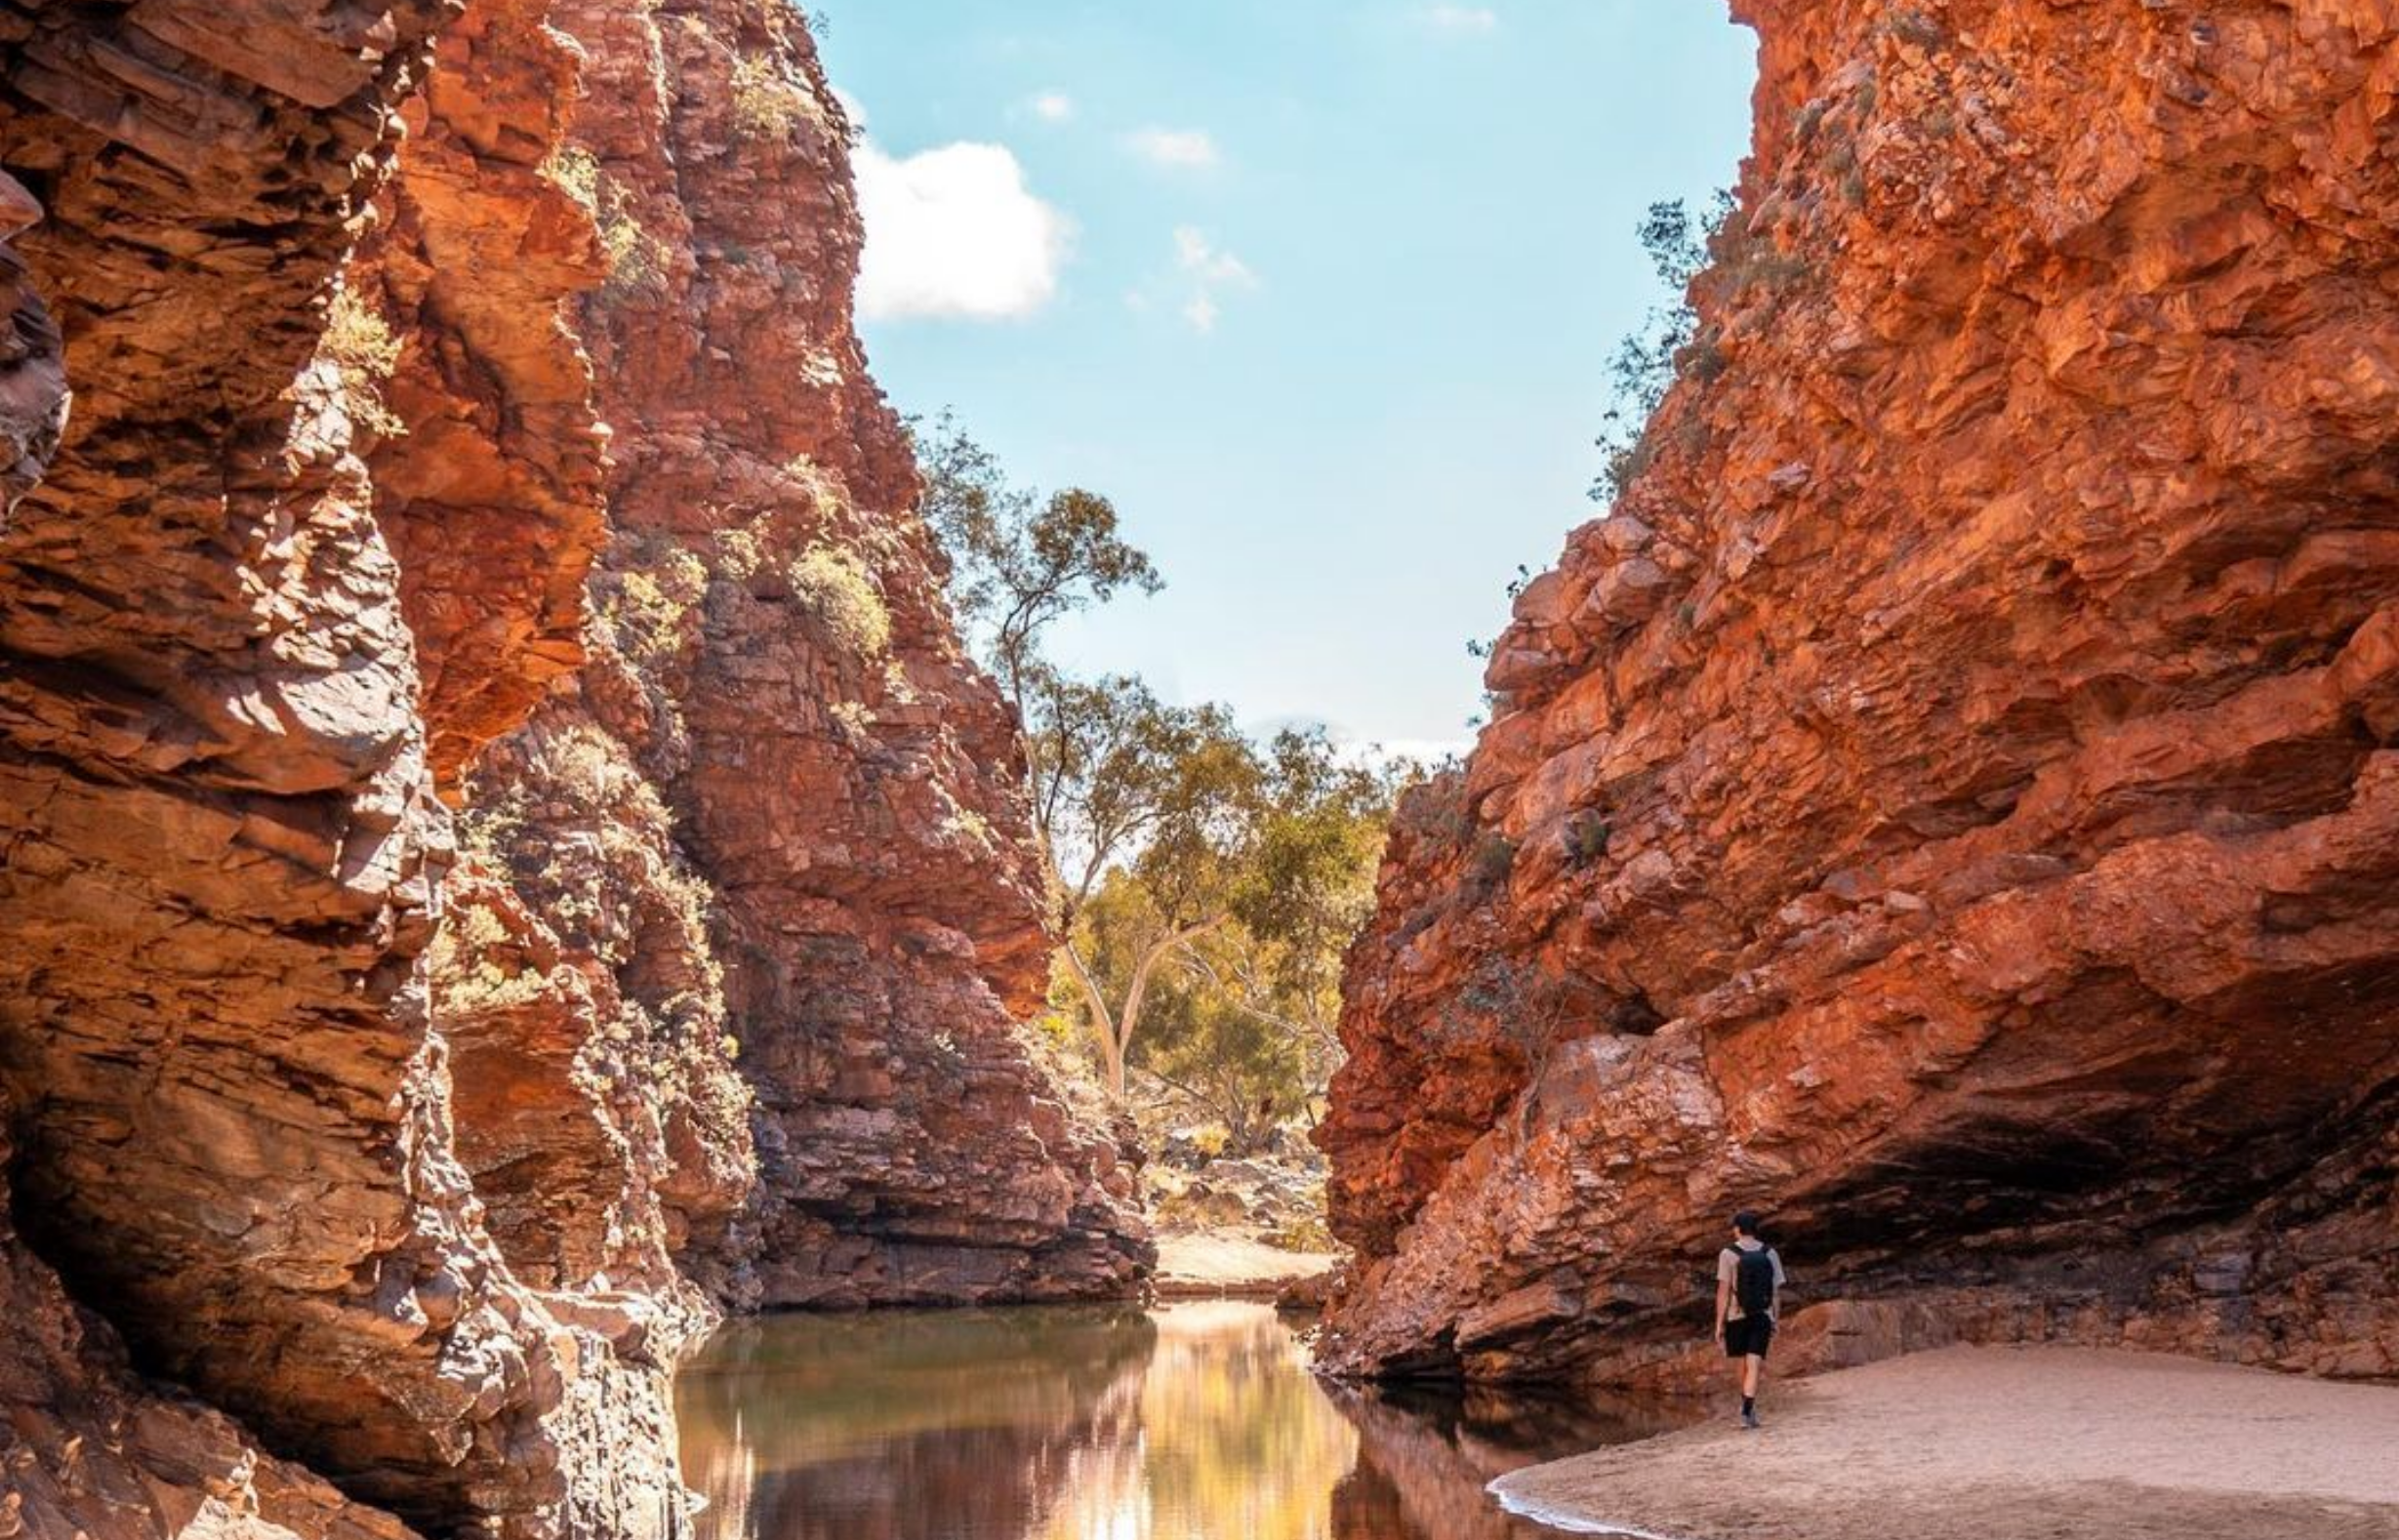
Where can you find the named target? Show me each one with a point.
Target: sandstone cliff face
(94, 1451)
(1952, 800)
(418, 1157)
(231, 1118)
(778, 663)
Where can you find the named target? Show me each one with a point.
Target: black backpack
(1753, 1281)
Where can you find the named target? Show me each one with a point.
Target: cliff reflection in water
(1195, 1422)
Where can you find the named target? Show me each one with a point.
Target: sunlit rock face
(774, 660)
(229, 1115)
(1952, 802)
(404, 839)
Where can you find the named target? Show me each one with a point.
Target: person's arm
(1724, 1297)
(1775, 1312)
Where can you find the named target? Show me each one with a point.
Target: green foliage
(1645, 364)
(1911, 26)
(1528, 1005)
(358, 342)
(1310, 885)
(1210, 1042)
(834, 587)
(1711, 250)
(1488, 866)
(648, 608)
(476, 965)
(575, 172)
(1311, 1234)
(740, 552)
(1208, 883)
(1018, 561)
(1476, 646)
(1586, 834)
(1224, 934)
(767, 104)
(634, 255)
(356, 337)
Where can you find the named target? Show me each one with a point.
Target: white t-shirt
(1729, 1270)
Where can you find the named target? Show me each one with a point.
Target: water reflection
(1195, 1422)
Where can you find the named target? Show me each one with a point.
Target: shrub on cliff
(358, 342)
(834, 587)
(767, 104)
(634, 255)
(1646, 363)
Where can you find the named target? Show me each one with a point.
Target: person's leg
(1753, 1370)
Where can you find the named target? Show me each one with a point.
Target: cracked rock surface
(1952, 802)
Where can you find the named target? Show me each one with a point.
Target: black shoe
(1749, 1419)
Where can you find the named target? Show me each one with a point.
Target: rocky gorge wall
(1952, 800)
(775, 660)
(505, 855)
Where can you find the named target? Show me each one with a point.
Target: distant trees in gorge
(1206, 883)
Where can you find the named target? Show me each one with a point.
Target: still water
(1190, 1422)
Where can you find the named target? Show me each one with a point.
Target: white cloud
(1053, 106)
(955, 232)
(1187, 150)
(1210, 266)
(1462, 21)
(1210, 273)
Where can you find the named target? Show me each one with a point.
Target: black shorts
(1747, 1336)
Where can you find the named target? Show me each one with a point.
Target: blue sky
(1320, 291)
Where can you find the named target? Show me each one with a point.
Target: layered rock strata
(232, 1116)
(1952, 802)
(775, 659)
(422, 1161)
(93, 1451)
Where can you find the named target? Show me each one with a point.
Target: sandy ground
(2001, 1444)
(1210, 1266)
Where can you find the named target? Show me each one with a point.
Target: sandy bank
(2006, 1443)
(1230, 1266)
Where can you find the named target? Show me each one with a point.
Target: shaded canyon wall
(505, 855)
(1952, 802)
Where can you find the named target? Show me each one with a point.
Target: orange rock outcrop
(778, 662)
(504, 852)
(1952, 802)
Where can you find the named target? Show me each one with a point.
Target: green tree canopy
(1206, 883)
(1019, 561)
(1243, 903)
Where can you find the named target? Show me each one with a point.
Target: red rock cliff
(421, 1156)
(230, 1114)
(1953, 801)
(779, 664)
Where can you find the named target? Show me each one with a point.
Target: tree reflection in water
(1195, 1422)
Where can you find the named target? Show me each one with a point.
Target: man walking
(1748, 1286)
